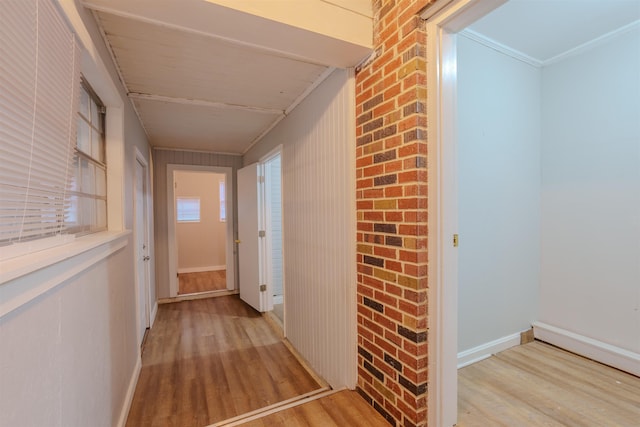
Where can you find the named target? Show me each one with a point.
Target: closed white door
(141, 248)
(248, 238)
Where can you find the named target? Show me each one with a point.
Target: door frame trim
(142, 161)
(443, 22)
(171, 224)
(264, 214)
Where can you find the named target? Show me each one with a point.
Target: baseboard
(128, 400)
(599, 351)
(154, 312)
(201, 269)
(484, 351)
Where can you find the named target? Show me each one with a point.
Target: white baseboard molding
(599, 351)
(128, 399)
(201, 269)
(484, 351)
(154, 312)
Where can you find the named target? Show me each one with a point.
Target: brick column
(391, 174)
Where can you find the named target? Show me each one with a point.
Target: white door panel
(141, 251)
(248, 246)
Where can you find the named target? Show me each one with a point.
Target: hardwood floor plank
(537, 384)
(209, 360)
(344, 408)
(204, 281)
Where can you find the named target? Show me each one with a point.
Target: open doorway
(273, 226)
(260, 235)
(200, 231)
(564, 179)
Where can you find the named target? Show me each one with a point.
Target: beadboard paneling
(318, 192)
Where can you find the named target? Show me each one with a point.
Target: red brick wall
(391, 150)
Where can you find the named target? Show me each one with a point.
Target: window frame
(80, 200)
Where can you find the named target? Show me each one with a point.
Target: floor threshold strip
(276, 407)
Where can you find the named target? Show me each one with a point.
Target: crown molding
(605, 38)
(516, 54)
(499, 47)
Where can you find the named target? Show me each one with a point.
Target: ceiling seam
(203, 103)
(291, 107)
(116, 65)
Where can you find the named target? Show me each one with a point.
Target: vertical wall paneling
(318, 187)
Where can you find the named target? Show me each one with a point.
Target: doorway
(260, 231)
(272, 168)
(141, 236)
(201, 258)
(548, 192)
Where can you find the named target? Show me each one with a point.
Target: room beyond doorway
(200, 230)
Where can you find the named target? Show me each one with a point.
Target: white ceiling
(207, 77)
(544, 29)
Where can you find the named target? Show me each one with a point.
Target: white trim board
(599, 351)
(33, 275)
(499, 47)
(538, 63)
(202, 269)
(128, 400)
(154, 312)
(484, 351)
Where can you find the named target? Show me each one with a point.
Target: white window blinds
(39, 91)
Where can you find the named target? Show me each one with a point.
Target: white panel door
(141, 251)
(248, 246)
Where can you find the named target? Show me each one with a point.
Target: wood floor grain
(209, 360)
(341, 409)
(204, 281)
(540, 385)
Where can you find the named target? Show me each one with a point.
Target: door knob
(238, 241)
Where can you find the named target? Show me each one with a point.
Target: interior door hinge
(263, 288)
(455, 240)
(262, 233)
(261, 179)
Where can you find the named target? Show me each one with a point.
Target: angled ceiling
(545, 29)
(205, 76)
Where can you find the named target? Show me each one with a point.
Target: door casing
(444, 18)
(171, 224)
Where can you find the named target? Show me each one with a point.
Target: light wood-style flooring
(204, 281)
(537, 384)
(211, 359)
(345, 408)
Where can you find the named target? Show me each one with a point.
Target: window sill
(24, 278)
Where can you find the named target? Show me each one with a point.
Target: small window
(223, 201)
(88, 196)
(188, 209)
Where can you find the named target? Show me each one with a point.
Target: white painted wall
(201, 245)
(318, 191)
(590, 282)
(70, 356)
(499, 194)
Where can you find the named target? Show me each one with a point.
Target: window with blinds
(40, 83)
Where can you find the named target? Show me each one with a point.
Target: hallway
(208, 360)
